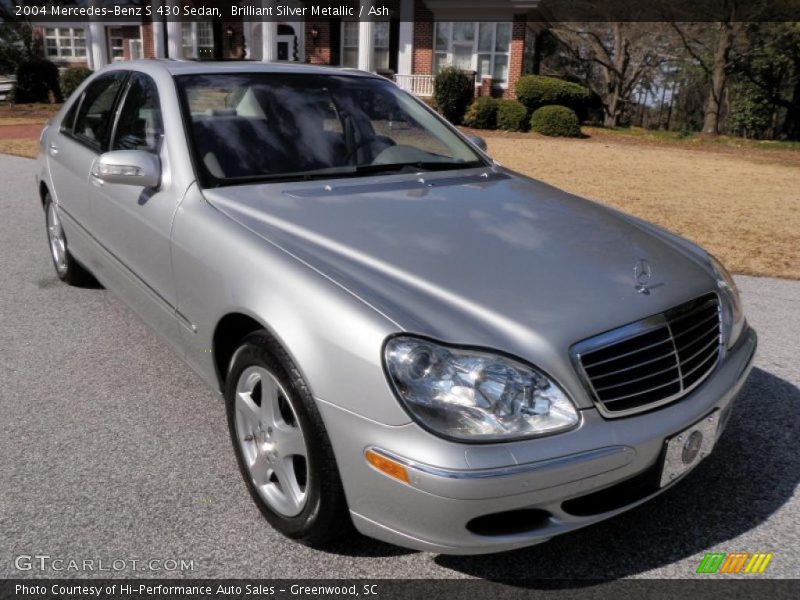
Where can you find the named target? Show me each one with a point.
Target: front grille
(653, 361)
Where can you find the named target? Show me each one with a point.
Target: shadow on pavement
(752, 473)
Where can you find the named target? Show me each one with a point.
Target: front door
(287, 50)
(131, 223)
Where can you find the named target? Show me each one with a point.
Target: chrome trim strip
(552, 463)
(695, 326)
(647, 391)
(636, 366)
(703, 362)
(699, 352)
(674, 367)
(618, 356)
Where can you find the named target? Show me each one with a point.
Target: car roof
(186, 67)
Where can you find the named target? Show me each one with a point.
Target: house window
(116, 44)
(197, 40)
(136, 49)
(480, 47)
(381, 37)
(65, 42)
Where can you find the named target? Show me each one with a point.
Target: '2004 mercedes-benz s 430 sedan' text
(409, 338)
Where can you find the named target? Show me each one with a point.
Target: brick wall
(422, 63)
(148, 41)
(517, 55)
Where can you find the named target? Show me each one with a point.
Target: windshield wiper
(359, 170)
(429, 165)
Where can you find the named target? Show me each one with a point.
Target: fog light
(386, 465)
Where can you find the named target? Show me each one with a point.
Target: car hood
(478, 257)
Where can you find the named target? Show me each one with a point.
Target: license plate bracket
(686, 449)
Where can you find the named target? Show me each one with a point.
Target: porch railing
(6, 83)
(419, 85)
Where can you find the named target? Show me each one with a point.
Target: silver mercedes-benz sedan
(410, 339)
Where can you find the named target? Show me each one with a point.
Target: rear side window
(139, 126)
(69, 119)
(96, 114)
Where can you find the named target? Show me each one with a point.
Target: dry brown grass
(26, 147)
(26, 114)
(742, 206)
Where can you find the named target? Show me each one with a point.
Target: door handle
(53, 149)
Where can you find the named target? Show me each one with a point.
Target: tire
(273, 420)
(68, 269)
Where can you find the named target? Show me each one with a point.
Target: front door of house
(287, 47)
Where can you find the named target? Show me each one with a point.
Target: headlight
(473, 395)
(732, 313)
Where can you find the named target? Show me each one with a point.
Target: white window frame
(475, 45)
(375, 46)
(196, 47)
(65, 40)
(135, 48)
(116, 43)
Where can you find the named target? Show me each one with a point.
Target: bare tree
(710, 46)
(618, 56)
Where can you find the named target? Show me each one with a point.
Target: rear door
(81, 137)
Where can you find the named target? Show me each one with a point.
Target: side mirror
(128, 167)
(477, 141)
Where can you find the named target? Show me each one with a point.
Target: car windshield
(251, 127)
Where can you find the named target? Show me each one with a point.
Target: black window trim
(99, 148)
(76, 106)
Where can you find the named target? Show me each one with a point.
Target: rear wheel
(67, 268)
(281, 444)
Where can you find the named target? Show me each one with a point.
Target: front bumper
(560, 483)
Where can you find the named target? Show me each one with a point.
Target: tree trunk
(614, 78)
(791, 125)
(719, 77)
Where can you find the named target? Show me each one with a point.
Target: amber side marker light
(386, 465)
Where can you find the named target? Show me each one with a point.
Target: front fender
(334, 338)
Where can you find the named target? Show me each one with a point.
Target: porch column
(247, 32)
(99, 48)
(366, 41)
(269, 35)
(406, 39)
(174, 35)
(159, 32)
(87, 32)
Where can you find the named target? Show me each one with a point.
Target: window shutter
(394, 44)
(336, 41)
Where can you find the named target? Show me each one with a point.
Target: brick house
(494, 39)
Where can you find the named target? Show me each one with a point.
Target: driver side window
(139, 126)
(95, 117)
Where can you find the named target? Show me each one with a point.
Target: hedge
(535, 91)
(453, 90)
(482, 113)
(72, 78)
(36, 80)
(556, 121)
(512, 116)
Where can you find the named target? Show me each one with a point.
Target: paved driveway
(111, 448)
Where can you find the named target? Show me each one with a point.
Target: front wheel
(281, 444)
